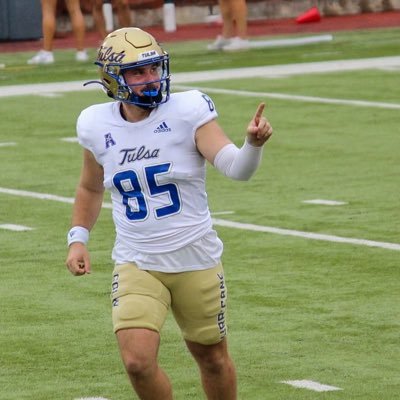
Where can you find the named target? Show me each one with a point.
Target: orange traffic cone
(311, 15)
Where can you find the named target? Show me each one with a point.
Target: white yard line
(289, 69)
(292, 97)
(325, 202)
(217, 75)
(72, 139)
(7, 144)
(34, 195)
(231, 224)
(297, 41)
(312, 385)
(17, 228)
(91, 398)
(180, 79)
(306, 235)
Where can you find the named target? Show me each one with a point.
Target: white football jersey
(156, 177)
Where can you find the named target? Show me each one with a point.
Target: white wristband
(78, 234)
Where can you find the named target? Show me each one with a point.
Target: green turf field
(300, 308)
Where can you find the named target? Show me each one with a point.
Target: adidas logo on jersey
(162, 128)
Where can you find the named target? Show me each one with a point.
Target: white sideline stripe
(6, 144)
(325, 202)
(72, 139)
(43, 196)
(50, 95)
(306, 235)
(91, 398)
(308, 99)
(311, 385)
(301, 41)
(17, 228)
(217, 75)
(288, 69)
(231, 224)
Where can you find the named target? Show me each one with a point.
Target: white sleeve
(238, 163)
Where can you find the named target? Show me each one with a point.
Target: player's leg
(217, 370)
(139, 349)
(140, 303)
(199, 304)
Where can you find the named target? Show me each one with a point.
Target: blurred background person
(234, 26)
(123, 14)
(368, 6)
(49, 25)
(340, 7)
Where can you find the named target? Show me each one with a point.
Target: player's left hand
(259, 129)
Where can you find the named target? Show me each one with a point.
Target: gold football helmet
(130, 48)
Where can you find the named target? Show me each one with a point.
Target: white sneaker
(219, 43)
(236, 44)
(81, 56)
(42, 57)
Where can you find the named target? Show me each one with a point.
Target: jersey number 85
(131, 190)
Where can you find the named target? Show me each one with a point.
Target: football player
(149, 149)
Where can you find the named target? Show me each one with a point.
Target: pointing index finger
(259, 112)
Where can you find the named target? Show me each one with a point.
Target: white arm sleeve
(238, 163)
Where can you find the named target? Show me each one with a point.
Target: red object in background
(311, 15)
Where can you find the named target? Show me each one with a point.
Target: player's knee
(139, 366)
(214, 365)
(213, 362)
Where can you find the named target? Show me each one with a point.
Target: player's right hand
(78, 260)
